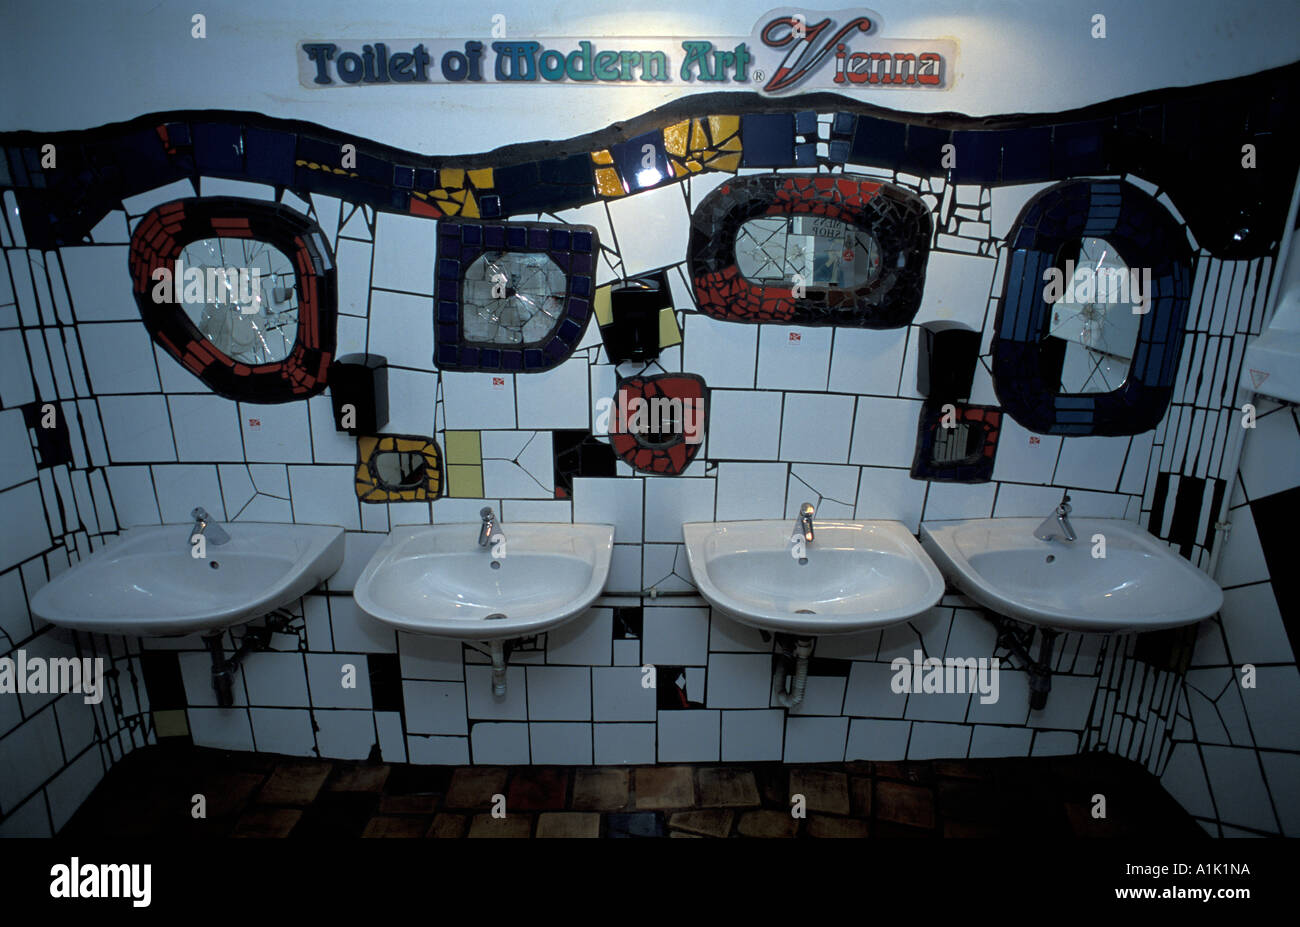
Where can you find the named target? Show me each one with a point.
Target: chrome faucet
(489, 525)
(804, 525)
(205, 526)
(1057, 525)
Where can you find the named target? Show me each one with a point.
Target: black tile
(1275, 519)
(767, 139)
(385, 681)
(162, 679)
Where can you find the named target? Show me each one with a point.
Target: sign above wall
(789, 51)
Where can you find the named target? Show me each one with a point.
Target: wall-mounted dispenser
(358, 385)
(633, 331)
(945, 368)
(955, 442)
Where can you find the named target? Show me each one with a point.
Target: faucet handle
(806, 510)
(486, 512)
(199, 514)
(1064, 508)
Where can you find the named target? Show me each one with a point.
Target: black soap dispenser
(945, 368)
(633, 332)
(359, 393)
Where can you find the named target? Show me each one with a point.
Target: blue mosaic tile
(767, 139)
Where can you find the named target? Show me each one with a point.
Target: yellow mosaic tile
(608, 183)
(462, 447)
(602, 307)
(669, 331)
(370, 489)
(464, 482)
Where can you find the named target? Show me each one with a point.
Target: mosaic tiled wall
(796, 412)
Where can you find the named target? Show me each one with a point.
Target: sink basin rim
(600, 535)
(321, 559)
(962, 573)
(903, 544)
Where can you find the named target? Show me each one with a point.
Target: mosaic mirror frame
(573, 248)
(897, 219)
(669, 457)
(158, 241)
(1145, 235)
(371, 487)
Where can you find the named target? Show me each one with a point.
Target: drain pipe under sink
(498, 668)
(802, 651)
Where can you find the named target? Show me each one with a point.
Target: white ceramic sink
(146, 583)
(858, 575)
(435, 579)
(1140, 585)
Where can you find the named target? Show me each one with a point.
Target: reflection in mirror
(814, 250)
(956, 444)
(240, 295)
(1093, 329)
(512, 298)
(399, 469)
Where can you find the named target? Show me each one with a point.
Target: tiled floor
(153, 792)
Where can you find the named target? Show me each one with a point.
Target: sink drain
(496, 564)
(495, 617)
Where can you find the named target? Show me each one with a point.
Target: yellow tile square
(462, 447)
(170, 723)
(669, 332)
(464, 482)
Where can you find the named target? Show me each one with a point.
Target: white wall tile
(750, 490)
(867, 361)
(275, 679)
(753, 736)
(832, 489)
(745, 425)
(406, 248)
(672, 501)
(689, 736)
(619, 694)
(723, 353)
(435, 707)
(586, 640)
(881, 741)
(442, 751)
(222, 728)
(119, 357)
(483, 704)
(869, 693)
(206, 428)
(402, 328)
(276, 433)
(1091, 463)
(739, 680)
(956, 289)
(133, 496)
(327, 674)
(353, 261)
(675, 636)
(22, 506)
(99, 283)
(137, 428)
(559, 693)
(936, 741)
(345, 735)
(890, 494)
(620, 744)
(283, 730)
(794, 357)
(959, 500)
(815, 740)
(1252, 621)
(884, 432)
(324, 495)
(183, 487)
(555, 398)
(605, 501)
(17, 457)
(479, 400)
(561, 743)
(426, 657)
(651, 228)
(816, 428)
(355, 631)
(499, 744)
